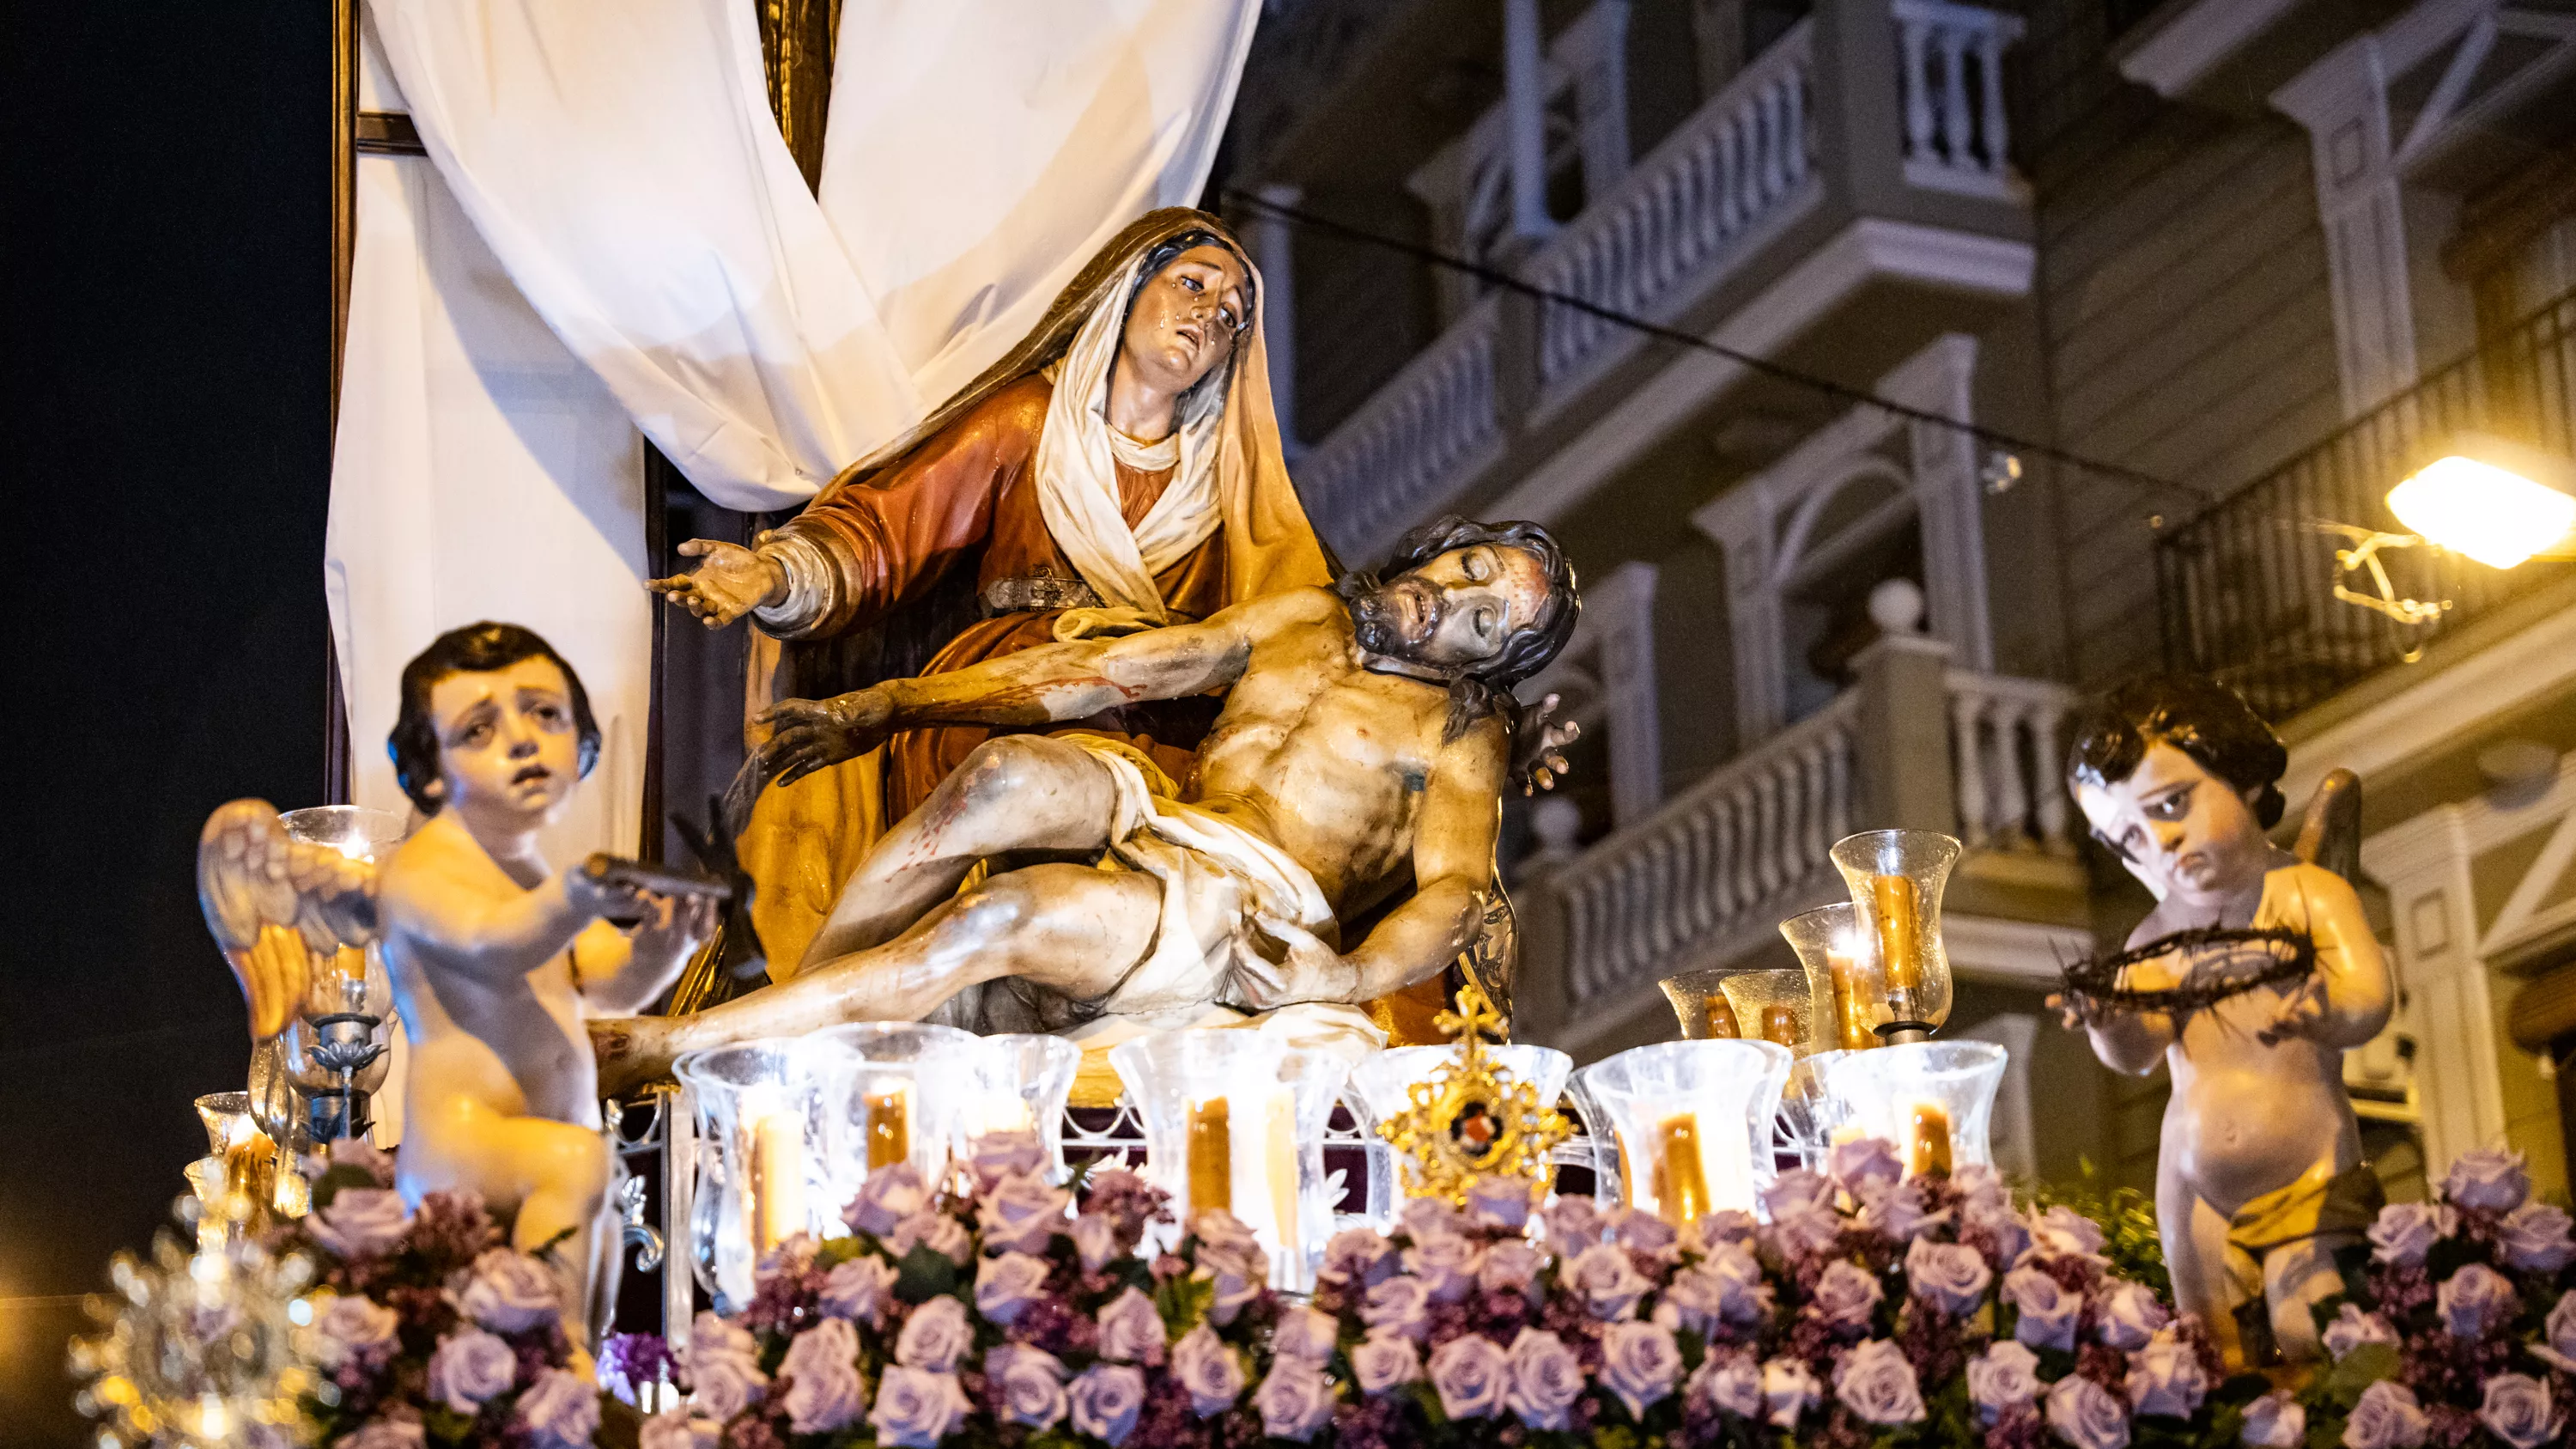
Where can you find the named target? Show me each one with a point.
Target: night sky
(167, 337)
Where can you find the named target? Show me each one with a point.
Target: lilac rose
(1496, 1201)
(1724, 1228)
(1796, 1188)
(1640, 1231)
(1095, 1241)
(1789, 1389)
(890, 1195)
(1359, 1256)
(1430, 1217)
(1546, 1379)
(2489, 1179)
(2129, 1315)
(2352, 1328)
(1876, 1383)
(2086, 1415)
(2067, 1233)
(1952, 1277)
(1728, 1383)
(1007, 1285)
(934, 1230)
(353, 1327)
(859, 1288)
(821, 1372)
(1384, 1361)
(1131, 1331)
(1862, 1161)
(2166, 1378)
(1021, 1213)
(2406, 1231)
(2000, 1226)
(1606, 1281)
(1572, 1225)
(2560, 1351)
(1724, 1287)
(937, 1334)
(2274, 1421)
(2047, 1312)
(1014, 1152)
(1398, 1305)
(1510, 1266)
(2518, 1412)
(1234, 1279)
(408, 1433)
(916, 1408)
(1846, 1296)
(2005, 1376)
(1294, 1401)
(2386, 1417)
(1105, 1402)
(1640, 1363)
(1305, 1335)
(560, 1410)
(1804, 1229)
(359, 1221)
(1980, 1186)
(1898, 1210)
(724, 1367)
(1029, 1383)
(1446, 1265)
(670, 1429)
(508, 1292)
(1208, 1371)
(470, 1367)
(2534, 1238)
(2475, 1301)
(1470, 1374)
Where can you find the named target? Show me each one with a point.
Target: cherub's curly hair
(474, 649)
(2196, 715)
(1486, 688)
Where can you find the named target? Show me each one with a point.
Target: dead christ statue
(1363, 746)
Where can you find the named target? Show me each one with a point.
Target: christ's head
(495, 724)
(1467, 601)
(1192, 302)
(2176, 775)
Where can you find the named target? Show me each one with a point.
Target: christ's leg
(1017, 792)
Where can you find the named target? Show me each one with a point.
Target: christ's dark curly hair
(474, 649)
(1486, 687)
(2193, 713)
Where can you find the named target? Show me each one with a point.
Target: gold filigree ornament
(1471, 1118)
(202, 1350)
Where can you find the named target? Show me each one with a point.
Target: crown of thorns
(2227, 962)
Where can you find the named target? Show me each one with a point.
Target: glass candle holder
(1222, 1121)
(1693, 1122)
(1020, 1082)
(1896, 878)
(901, 1095)
(1315, 1080)
(768, 1118)
(1934, 1100)
(1701, 1005)
(1382, 1085)
(338, 1049)
(1842, 973)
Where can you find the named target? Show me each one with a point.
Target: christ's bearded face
(1456, 610)
(2179, 828)
(1184, 321)
(509, 752)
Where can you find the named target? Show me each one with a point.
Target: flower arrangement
(427, 1329)
(2459, 1328)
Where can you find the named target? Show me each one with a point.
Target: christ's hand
(816, 734)
(1309, 971)
(731, 583)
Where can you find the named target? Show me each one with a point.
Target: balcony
(1705, 880)
(1798, 184)
(2247, 588)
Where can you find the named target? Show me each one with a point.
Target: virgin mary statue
(1119, 469)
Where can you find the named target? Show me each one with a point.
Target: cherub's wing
(2331, 834)
(278, 907)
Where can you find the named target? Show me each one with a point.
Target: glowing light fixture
(2495, 501)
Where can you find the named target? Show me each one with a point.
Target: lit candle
(1900, 930)
(1780, 1026)
(1276, 1166)
(1699, 1166)
(990, 1112)
(1852, 1005)
(888, 1104)
(777, 1205)
(1721, 1018)
(1211, 1155)
(1928, 1143)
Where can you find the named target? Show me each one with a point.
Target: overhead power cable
(1506, 281)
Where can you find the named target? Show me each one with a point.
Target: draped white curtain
(610, 235)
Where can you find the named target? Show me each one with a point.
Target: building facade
(2153, 291)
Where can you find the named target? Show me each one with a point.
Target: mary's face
(1185, 319)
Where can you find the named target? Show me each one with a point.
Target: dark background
(167, 334)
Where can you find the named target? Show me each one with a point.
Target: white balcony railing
(2007, 746)
(1427, 424)
(1953, 89)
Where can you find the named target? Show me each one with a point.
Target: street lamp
(2496, 501)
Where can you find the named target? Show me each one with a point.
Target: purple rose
(1445, 1264)
(1546, 1379)
(360, 1221)
(2475, 1300)
(1607, 1282)
(822, 1376)
(352, 1327)
(1021, 1213)
(2166, 1378)
(1876, 1383)
(1796, 1188)
(2517, 1411)
(560, 1411)
(2533, 1238)
(1572, 1225)
(2274, 1421)
(2000, 1225)
(793, 1255)
(2047, 1312)
(1726, 1227)
(1398, 1305)
(1208, 1371)
(2086, 1415)
(1724, 1287)
(508, 1292)
(1510, 1266)
(1007, 1285)
(1029, 1382)
(1501, 1202)
(1729, 1383)
(406, 1433)
(1640, 1363)
(1304, 1335)
(2387, 1417)
(724, 1368)
(2005, 1376)
(2352, 1328)
(1980, 1186)
(890, 1195)
(1131, 1331)
(2128, 1316)
(1430, 1217)
(917, 1408)
(937, 1334)
(1095, 1241)
(1470, 1374)
(1898, 1210)
(2487, 1178)
(1222, 1233)
(2560, 1351)
(859, 1289)
(1861, 1161)
(469, 1367)
(1014, 1152)
(2067, 1233)
(1105, 1402)
(670, 1429)
(1294, 1401)
(934, 1230)
(1359, 1256)
(2406, 1231)
(1384, 1361)
(1804, 1229)
(1846, 1297)
(1640, 1231)
(1789, 1389)
(1952, 1277)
